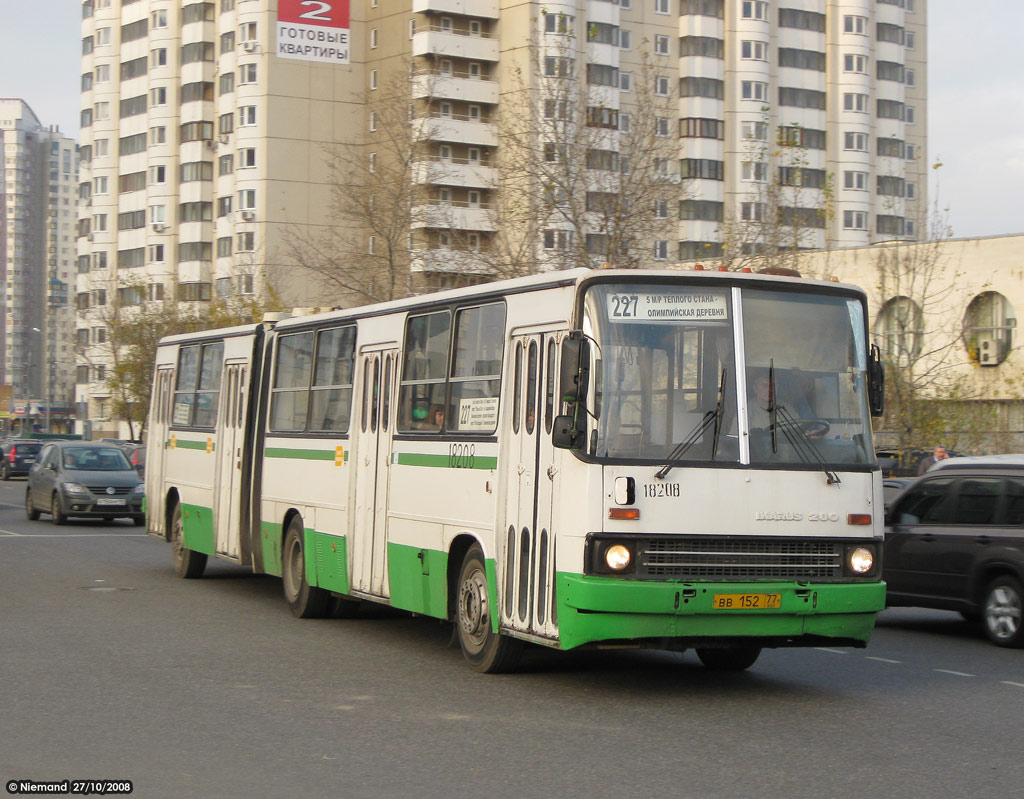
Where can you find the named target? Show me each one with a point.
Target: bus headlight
(861, 560)
(617, 557)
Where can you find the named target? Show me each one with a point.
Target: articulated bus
(612, 458)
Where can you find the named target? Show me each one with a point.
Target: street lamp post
(49, 384)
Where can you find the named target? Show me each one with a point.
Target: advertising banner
(313, 30)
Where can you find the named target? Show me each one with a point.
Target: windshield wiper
(712, 417)
(803, 444)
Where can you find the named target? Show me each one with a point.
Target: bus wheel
(343, 607)
(486, 650)
(735, 659)
(305, 601)
(187, 562)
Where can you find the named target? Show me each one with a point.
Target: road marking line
(954, 673)
(833, 651)
(1014, 684)
(77, 535)
(882, 660)
(11, 532)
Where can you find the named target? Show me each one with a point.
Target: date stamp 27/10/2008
(69, 787)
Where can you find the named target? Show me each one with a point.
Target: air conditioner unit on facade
(210, 143)
(224, 138)
(248, 216)
(988, 352)
(159, 227)
(250, 46)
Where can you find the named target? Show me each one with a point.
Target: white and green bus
(608, 458)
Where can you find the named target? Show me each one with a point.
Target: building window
(247, 73)
(158, 96)
(661, 7)
(246, 116)
(626, 81)
(660, 44)
(754, 9)
(662, 87)
(754, 50)
(988, 326)
(854, 180)
(557, 240)
(754, 90)
(853, 62)
(855, 141)
(246, 157)
(754, 171)
(247, 200)
(660, 250)
(853, 23)
(559, 23)
(899, 331)
(855, 102)
(855, 220)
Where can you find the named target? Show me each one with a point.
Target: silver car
(84, 478)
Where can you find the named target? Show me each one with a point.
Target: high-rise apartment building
(208, 128)
(38, 209)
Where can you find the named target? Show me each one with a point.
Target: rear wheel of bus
(187, 562)
(486, 650)
(734, 659)
(305, 601)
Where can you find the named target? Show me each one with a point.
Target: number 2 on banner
(318, 12)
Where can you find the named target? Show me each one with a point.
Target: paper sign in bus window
(671, 306)
(478, 413)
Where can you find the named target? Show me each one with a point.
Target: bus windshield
(667, 387)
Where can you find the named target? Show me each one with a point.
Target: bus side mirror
(876, 381)
(570, 430)
(575, 369)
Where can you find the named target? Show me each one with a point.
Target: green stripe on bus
(446, 461)
(303, 454)
(184, 443)
(197, 528)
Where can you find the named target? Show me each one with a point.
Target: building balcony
(454, 86)
(442, 259)
(455, 216)
(456, 128)
(477, 8)
(439, 41)
(455, 172)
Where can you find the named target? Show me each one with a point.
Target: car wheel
(735, 659)
(59, 517)
(187, 562)
(306, 601)
(1002, 612)
(30, 508)
(486, 650)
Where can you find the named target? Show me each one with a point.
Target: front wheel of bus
(187, 562)
(305, 601)
(486, 650)
(735, 659)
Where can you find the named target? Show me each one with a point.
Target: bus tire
(305, 601)
(187, 562)
(343, 607)
(484, 649)
(733, 659)
(30, 509)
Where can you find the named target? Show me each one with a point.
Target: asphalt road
(115, 669)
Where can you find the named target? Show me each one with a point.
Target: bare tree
(787, 203)
(582, 181)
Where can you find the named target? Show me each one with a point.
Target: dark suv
(17, 457)
(954, 540)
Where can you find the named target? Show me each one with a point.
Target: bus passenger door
(372, 439)
(230, 431)
(156, 451)
(527, 544)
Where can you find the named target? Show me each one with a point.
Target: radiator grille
(102, 490)
(739, 559)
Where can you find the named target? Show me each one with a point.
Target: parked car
(84, 478)
(136, 454)
(954, 540)
(891, 488)
(17, 457)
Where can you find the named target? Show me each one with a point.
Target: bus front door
(231, 429)
(156, 451)
(372, 439)
(528, 549)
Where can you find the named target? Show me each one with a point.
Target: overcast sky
(975, 93)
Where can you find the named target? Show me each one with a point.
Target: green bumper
(592, 609)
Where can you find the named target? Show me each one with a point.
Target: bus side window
(549, 387)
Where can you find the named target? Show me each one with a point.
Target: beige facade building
(38, 184)
(208, 130)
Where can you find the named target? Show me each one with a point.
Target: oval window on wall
(989, 325)
(899, 331)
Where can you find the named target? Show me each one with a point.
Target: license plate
(29, 460)
(746, 601)
(109, 501)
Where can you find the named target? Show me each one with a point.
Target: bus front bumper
(682, 614)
